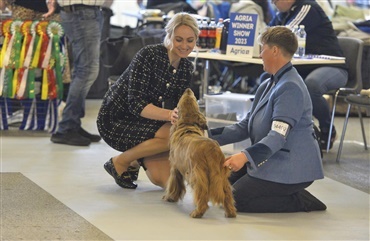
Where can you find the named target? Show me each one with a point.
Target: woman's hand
(174, 115)
(236, 161)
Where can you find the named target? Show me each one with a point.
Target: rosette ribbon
(41, 52)
(55, 32)
(14, 60)
(24, 78)
(6, 74)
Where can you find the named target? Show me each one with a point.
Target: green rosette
(31, 72)
(55, 32)
(15, 29)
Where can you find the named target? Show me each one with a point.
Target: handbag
(123, 49)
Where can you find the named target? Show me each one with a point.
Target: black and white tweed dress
(148, 79)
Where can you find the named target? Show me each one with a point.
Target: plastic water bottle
(199, 22)
(301, 41)
(295, 31)
(211, 38)
(219, 27)
(203, 35)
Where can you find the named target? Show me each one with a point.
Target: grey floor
(75, 177)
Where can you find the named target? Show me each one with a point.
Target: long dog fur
(198, 160)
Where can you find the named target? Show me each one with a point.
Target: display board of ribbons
(31, 47)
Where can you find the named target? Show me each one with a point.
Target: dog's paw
(196, 214)
(168, 199)
(230, 215)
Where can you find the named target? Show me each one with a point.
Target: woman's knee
(157, 180)
(158, 169)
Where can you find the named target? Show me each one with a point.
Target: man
(82, 21)
(321, 39)
(167, 6)
(153, 3)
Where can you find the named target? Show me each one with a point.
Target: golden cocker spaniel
(198, 160)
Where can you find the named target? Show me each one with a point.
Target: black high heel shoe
(124, 180)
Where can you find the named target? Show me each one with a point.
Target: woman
(260, 7)
(321, 39)
(284, 158)
(136, 113)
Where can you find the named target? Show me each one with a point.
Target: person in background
(284, 157)
(260, 7)
(136, 113)
(321, 39)
(82, 21)
(25, 10)
(153, 3)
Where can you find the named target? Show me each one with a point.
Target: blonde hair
(176, 21)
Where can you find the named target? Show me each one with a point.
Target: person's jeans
(319, 82)
(83, 30)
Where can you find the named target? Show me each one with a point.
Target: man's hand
(51, 7)
(2, 5)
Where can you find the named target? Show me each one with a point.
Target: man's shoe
(72, 138)
(91, 137)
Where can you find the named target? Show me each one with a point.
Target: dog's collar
(189, 132)
(197, 125)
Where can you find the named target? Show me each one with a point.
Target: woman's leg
(319, 82)
(151, 147)
(158, 169)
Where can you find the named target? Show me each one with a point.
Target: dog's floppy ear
(202, 122)
(204, 127)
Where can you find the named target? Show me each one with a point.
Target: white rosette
(55, 28)
(14, 27)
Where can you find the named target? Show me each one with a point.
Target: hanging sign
(243, 33)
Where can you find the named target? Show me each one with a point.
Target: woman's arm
(156, 113)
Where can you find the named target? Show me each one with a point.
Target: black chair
(352, 49)
(358, 101)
